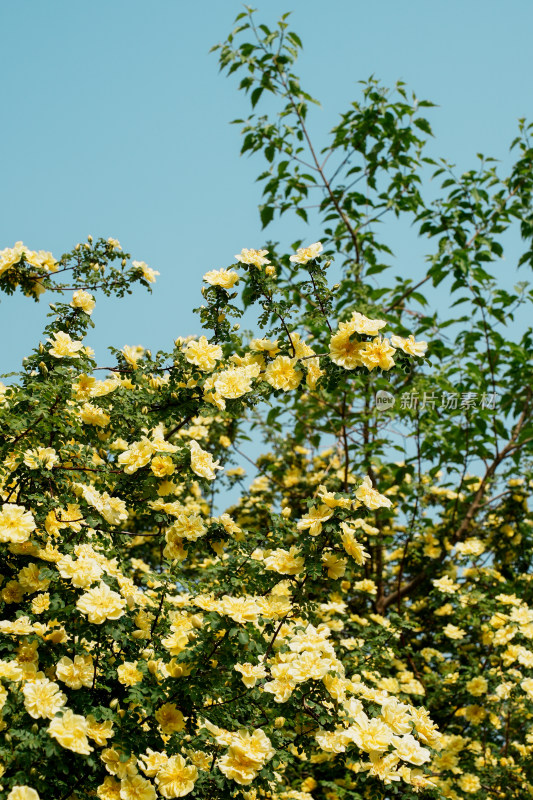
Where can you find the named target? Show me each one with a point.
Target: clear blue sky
(115, 123)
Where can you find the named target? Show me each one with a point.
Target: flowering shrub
(157, 641)
(357, 623)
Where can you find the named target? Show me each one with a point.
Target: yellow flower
(132, 353)
(283, 684)
(344, 352)
(254, 257)
(329, 499)
(251, 673)
(28, 578)
(109, 789)
(16, 524)
(303, 351)
(477, 686)
(352, 546)
(445, 584)
(40, 259)
(200, 759)
(128, 674)
(176, 778)
(76, 673)
(136, 456)
(22, 793)
(44, 457)
(170, 718)
(408, 749)
(233, 383)
(43, 698)
(152, 762)
(396, 715)
(310, 665)
(40, 603)
(361, 324)
(469, 783)
(246, 755)
(453, 632)
(370, 497)
(82, 572)
(312, 521)
(332, 741)
(70, 731)
(149, 275)
(227, 278)
(378, 353)
(111, 758)
(264, 346)
(286, 562)
(371, 735)
(162, 465)
(335, 566)
(239, 609)
(409, 345)
(174, 549)
(101, 604)
(188, 527)
(202, 462)
(135, 787)
(92, 415)
(64, 346)
(83, 300)
(100, 732)
(202, 354)
(305, 254)
(281, 374)
(11, 256)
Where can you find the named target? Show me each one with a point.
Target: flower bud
(123, 262)
(279, 722)
(89, 238)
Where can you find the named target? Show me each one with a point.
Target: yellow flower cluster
(350, 352)
(13, 255)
